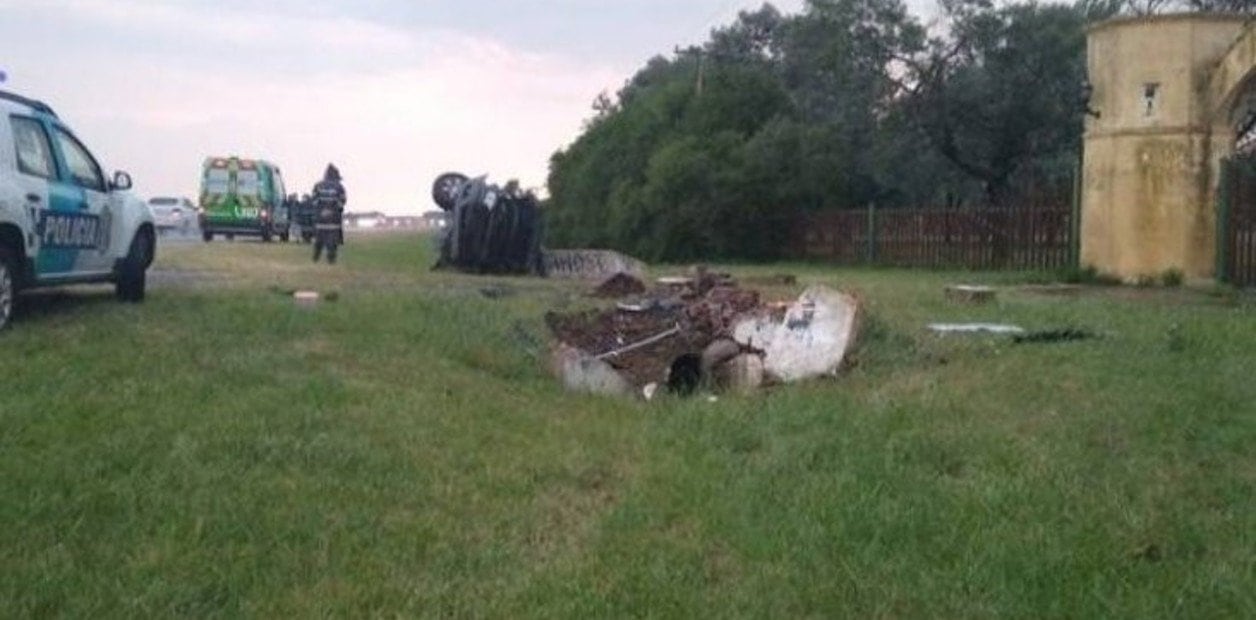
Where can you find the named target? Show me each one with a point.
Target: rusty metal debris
(640, 344)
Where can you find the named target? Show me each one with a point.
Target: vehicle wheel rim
(6, 294)
(445, 190)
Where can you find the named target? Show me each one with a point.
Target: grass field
(401, 452)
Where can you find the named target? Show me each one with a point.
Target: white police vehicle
(61, 220)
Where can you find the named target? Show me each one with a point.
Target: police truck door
(84, 199)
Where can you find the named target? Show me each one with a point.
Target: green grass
(401, 451)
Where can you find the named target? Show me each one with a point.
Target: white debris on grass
(975, 328)
(813, 339)
(306, 298)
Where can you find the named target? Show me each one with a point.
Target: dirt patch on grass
(567, 512)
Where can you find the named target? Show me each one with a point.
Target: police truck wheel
(284, 236)
(132, 276)
(8, 286)
(266, 236)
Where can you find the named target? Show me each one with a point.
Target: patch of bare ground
(567, 512)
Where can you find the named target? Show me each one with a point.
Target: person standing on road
(329, 208)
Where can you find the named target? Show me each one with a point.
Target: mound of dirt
(619, 285)
(695, 322)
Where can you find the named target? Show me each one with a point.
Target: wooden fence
(972, 238)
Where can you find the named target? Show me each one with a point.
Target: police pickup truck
(61, 220)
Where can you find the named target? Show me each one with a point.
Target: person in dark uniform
(329, 210)
(290, 207)
(305, 217)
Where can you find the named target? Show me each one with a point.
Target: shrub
(1087, 275)
(1172, 278)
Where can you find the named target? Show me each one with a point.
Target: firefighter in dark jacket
(329, 211)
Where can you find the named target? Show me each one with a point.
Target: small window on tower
(1150, 91)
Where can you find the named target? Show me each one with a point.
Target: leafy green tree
(715, 151)
(1002, 89)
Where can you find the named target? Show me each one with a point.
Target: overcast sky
(393, 91)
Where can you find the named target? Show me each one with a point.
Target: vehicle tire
(267, 236)
(8, 286)
(446, 189)
(207, 236)
(285, 236)
(230, 237)
(133, 273)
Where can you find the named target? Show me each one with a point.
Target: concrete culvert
(685, 374)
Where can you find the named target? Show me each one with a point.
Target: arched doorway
(1234, 89)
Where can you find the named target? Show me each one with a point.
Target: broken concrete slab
(812, 339)
(589, 264)
(717, 354)
(742, 374)
(969, 293)
(581, 372)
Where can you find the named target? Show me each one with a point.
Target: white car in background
(172, 214)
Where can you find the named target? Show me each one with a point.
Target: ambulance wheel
(132, 275)
(8, 286)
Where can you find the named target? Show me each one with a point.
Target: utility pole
(701, 72)
(700, 78)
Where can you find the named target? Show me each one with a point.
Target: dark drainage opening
(685, 374)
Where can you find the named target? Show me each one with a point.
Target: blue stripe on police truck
(61, 229)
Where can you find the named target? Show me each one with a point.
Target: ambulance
(242, 197)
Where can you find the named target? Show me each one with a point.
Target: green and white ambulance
(242, 197)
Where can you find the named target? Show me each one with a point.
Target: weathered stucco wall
(1150, 157)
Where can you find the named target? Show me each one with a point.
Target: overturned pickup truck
(491, 229)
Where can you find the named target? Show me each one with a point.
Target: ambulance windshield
(217, 181)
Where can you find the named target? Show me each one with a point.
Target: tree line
(714, 151)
